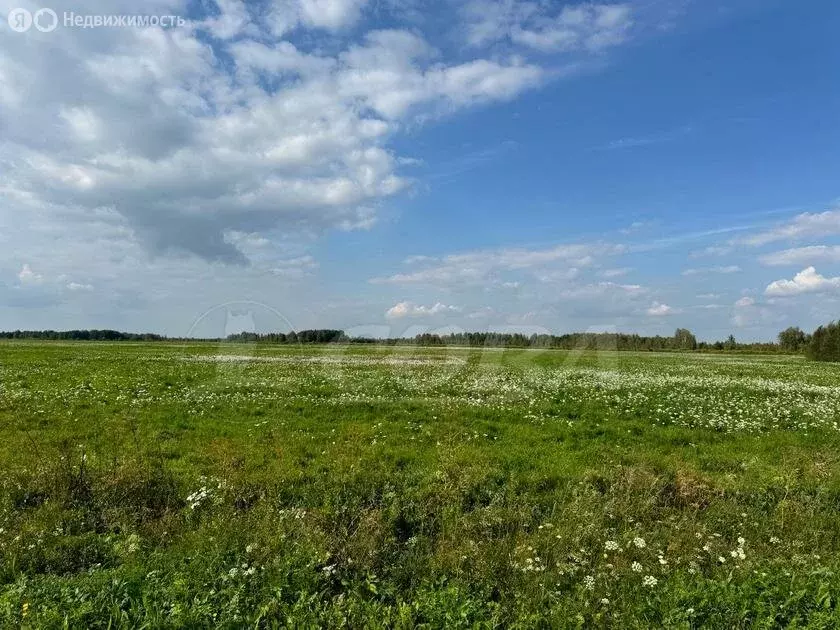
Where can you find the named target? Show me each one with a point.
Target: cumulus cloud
(410, 309)
(805, 225)
(803, 256)
(658, 309)
(806, 281)
(191, 133)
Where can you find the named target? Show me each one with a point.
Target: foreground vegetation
(220, 485)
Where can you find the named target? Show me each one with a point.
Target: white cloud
(710, 270)
(82, 123)
(442, 275)
(295, 267)
(589, 27)
(806, 281)
(660, 310)
(482, 313)
(188, 148)
(602, 289)
(330, 15)
(750, 313)
(550, 264)
(804, 225)
(28, 276)
(231, 20)
(410, 309)
(712, 250)
(392, 73)
(76, 286)
(803, 256)
(558, 275)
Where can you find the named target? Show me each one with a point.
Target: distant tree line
(822, 345)
(304, 336)
(81, 335)
(682, 340)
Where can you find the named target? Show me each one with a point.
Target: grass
(208, 485)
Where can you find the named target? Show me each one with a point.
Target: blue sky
(399, 167)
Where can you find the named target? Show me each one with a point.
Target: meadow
(243, 485)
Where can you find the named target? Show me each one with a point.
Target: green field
(218, 485)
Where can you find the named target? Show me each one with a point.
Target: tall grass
(150, 486)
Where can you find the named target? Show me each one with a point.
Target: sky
(395, 167)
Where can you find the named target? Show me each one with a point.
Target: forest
(824, 344)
